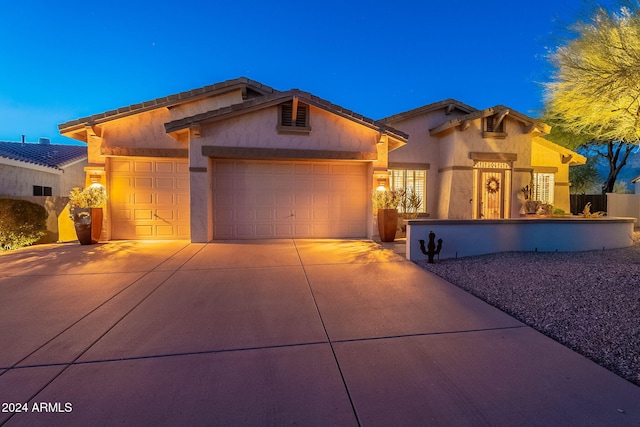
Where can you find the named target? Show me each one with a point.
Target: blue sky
(69, 59)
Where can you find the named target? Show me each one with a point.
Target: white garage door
(285, 199)
(149, 198)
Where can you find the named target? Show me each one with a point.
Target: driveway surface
(279, 332)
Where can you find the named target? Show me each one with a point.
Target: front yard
(588, 301)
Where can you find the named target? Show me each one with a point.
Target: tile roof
(168, 101)
(277, 98)
(55, 156)
(477, 114)
(447, 103)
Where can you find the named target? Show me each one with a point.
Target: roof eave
(276, 99)
(71, 128)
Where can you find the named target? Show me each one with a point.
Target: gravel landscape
(588, 301)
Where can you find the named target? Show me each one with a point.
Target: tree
(594, 94)
(584, 177)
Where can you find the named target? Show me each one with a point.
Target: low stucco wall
(477, 237)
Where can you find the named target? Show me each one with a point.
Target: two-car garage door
(287, 199)
(250, 199)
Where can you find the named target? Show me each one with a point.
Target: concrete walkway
(329, 333)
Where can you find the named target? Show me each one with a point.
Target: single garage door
(286, 199)
(149, 198)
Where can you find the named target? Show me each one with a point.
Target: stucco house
(40, 169)
(44, 173)
(241, 160)
(472, 164)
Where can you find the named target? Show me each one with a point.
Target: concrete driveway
(280, 332)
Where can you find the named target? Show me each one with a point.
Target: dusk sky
(71, 59)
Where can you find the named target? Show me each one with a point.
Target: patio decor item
(386, 202)
(86, 212)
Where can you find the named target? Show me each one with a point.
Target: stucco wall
(146, 129)
(18, 181)
(544, 159)
(624, 205)
(477, 237)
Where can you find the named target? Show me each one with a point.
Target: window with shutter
(543, 186)
(412, 181)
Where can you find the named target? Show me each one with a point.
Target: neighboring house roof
(634, 180)
(448, 104)
(278, 98)
(497, 110)
(249, 87)
(54, 156)
(568, 156)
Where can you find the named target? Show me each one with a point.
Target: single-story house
(241, 160)
(473, 164)
(41, 169)
(44, 173)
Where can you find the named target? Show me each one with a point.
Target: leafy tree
(594, 95)
(584, 177)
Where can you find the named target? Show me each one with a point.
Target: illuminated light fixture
(381, 187)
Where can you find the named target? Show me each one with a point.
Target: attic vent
(494, 127)
(491, 125)
(290, 123)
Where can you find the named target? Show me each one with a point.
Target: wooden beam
(294, 112)
(465, 125)
(500, 115)
(196, 130)
(449, 109)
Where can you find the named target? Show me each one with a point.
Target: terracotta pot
(88, 224)
(96, 224)
(387, 224)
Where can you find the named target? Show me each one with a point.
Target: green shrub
(22, 223)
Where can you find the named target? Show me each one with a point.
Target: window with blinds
(543, 185)
(407, 179)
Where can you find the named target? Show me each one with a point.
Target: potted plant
(86, 212)
(386, 202)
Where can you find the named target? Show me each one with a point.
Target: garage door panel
(149, 198)
(165, 198)
(165, 183)
(142, 166)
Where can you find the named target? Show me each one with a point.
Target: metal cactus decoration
(432, 249)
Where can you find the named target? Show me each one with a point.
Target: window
(294, 118)
(543, 184)
(39, 190)
(411, 181)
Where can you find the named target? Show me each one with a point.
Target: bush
(22, 223)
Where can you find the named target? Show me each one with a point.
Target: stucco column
(200, 232)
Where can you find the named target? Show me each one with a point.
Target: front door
(491, 187)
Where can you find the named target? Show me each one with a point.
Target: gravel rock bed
(587, 301)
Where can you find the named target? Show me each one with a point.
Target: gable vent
(287, 115)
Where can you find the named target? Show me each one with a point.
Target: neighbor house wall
(624, 205)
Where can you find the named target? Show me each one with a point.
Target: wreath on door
(493, 185)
